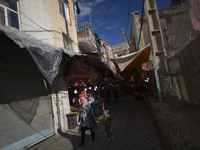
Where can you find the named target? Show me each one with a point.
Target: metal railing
(9, 17)
(82, 27)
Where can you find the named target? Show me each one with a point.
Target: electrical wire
(26, 16)
(129, 9)
(44, 29)
(29, 26)
(110, 34)
(105, 16)
(49, 31)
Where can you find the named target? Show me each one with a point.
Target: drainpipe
(166, 36)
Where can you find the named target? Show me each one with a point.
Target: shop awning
(125, 64)
(48, 57)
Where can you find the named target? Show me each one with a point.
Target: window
(75, 12)
(67, 42)
(9, 13)
(64, 10)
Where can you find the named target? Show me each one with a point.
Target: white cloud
(99, 1)
(112, 27)
(86, 7)
(112, 9)
(85, 10)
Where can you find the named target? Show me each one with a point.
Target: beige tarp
(125, 64)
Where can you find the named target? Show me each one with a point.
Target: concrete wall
(179, 27)
(179, 123)
(42, 15)
(72, 29)
(60, 101)
(179, 34)
(59, 24)
(106, 54)
(34, 17)
(46, 13)
(16, 133)
(180, 30)
(25, 103)
(185, 71)
(138, 25)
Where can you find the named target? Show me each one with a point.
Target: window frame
(66, 42)
(64, 8)
(6, 15)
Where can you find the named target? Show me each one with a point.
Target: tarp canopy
(125, 64)
(47, 57)
(98, 64)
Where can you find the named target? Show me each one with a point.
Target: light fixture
(75, 91)
(95, 88)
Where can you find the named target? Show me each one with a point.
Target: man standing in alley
(87, 120)
(115, 92)
(108, 95)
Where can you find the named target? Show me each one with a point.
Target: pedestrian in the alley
(107, 122)
(75, 101)
(115, 92)
(108, 94)
(87, 120)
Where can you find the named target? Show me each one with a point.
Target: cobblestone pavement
(132, 129)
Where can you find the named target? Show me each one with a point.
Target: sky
(116, 19)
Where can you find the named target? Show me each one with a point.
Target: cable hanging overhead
(129, 9)
(105, 16)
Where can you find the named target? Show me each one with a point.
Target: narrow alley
(73, 71)
(133, 129)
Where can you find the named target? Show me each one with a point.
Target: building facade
(50, 21)
(31, 108)
(106, 53)
(120, 50)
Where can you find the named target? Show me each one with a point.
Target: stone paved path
(132, 128)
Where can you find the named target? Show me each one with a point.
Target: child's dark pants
(108, 131)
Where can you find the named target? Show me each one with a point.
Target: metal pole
(157, 46)
(125, 40)
(166, 36)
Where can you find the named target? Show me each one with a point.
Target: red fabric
(80, 72)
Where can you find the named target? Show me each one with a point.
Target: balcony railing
(8, 17)
(84, 30)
